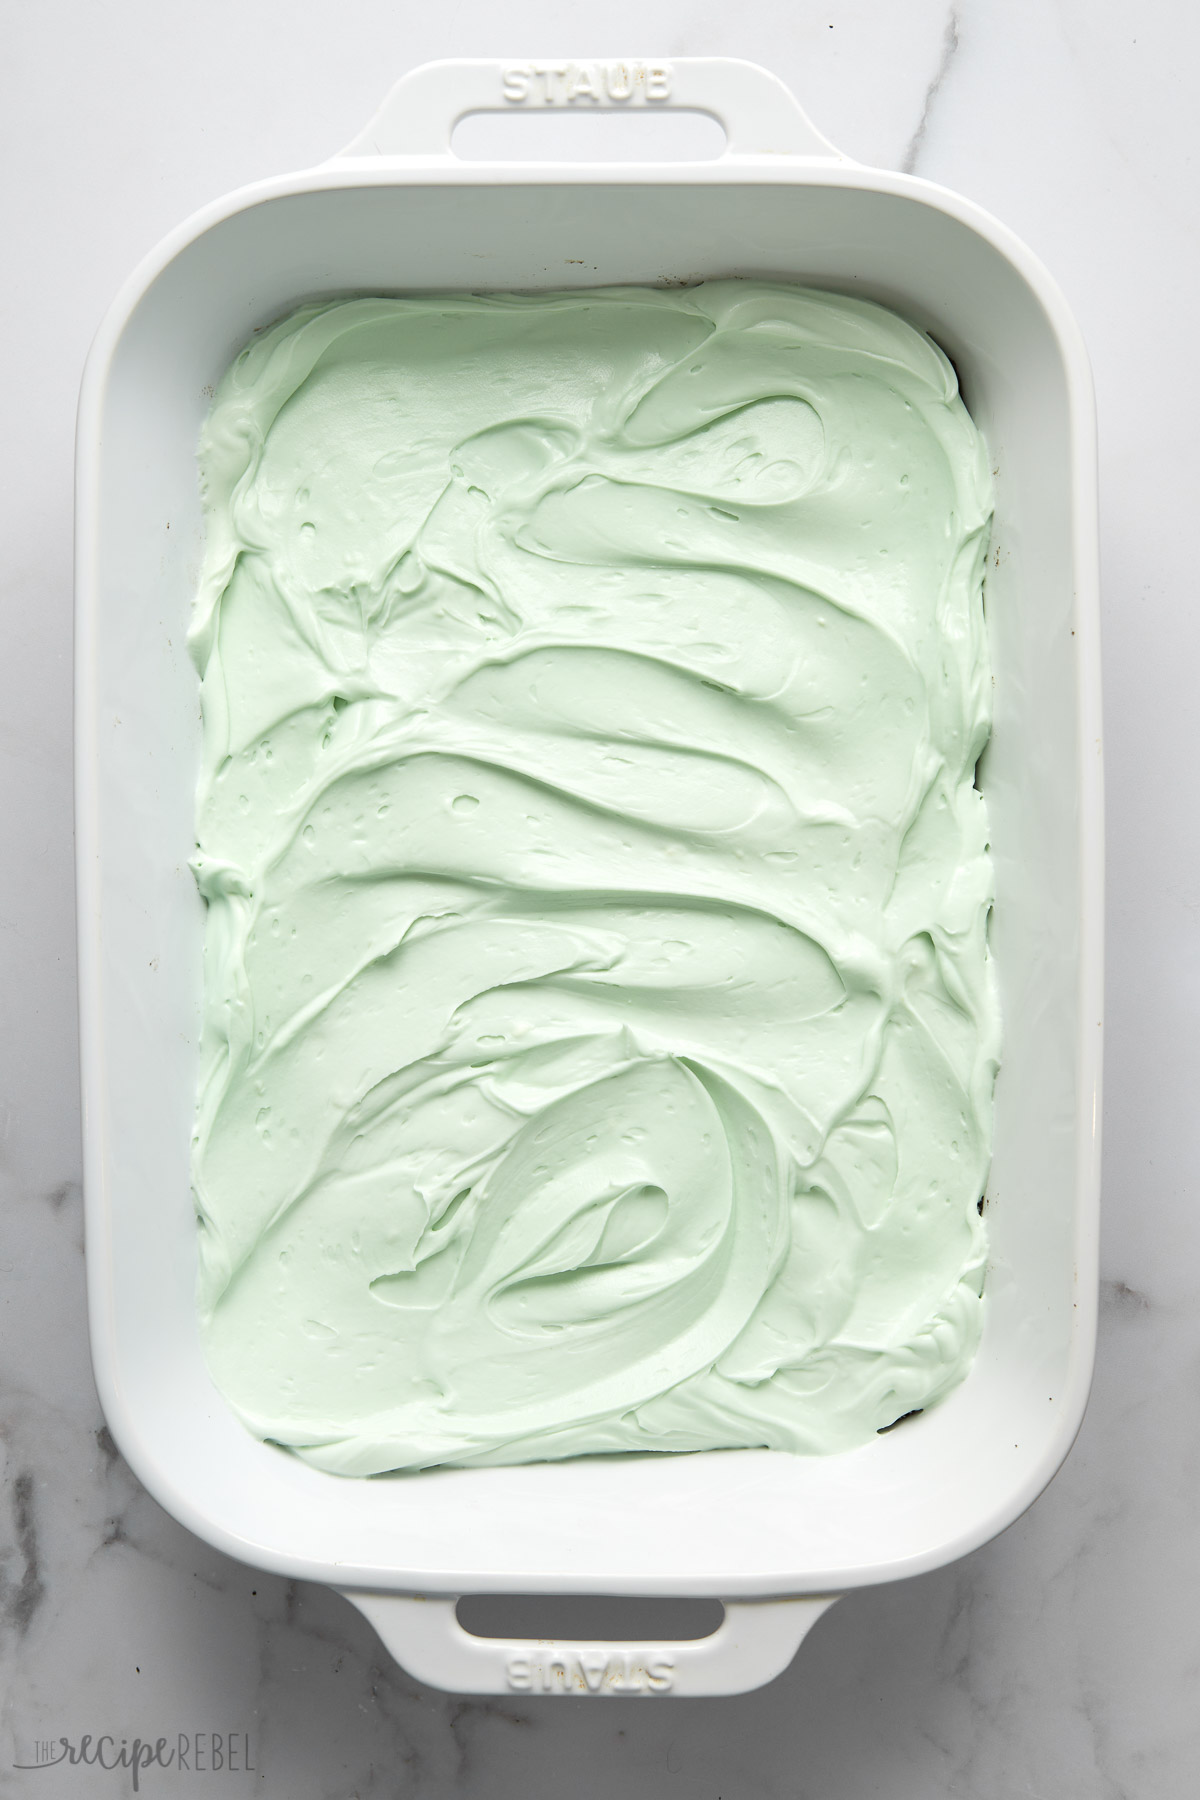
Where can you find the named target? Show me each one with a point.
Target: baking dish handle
(755, 1642)
(759, 115)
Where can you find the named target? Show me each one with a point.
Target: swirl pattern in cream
(599, 1025)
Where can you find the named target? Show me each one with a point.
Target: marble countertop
(1057, 1663)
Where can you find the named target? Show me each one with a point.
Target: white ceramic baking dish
(773, 1536)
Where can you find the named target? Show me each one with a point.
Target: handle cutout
(588, 1618)
(551, 134)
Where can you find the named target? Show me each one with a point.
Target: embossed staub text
(590, 1672)
(578, 84)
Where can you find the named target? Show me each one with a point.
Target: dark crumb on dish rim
(915, 1414)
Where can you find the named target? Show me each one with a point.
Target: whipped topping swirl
(599, 1029)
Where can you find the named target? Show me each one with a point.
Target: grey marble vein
(1119, 1295)
(22, 1588)
(950, 41)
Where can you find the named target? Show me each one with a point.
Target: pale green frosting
(599, 1030)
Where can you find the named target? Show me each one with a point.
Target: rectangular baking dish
(771, 1535)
